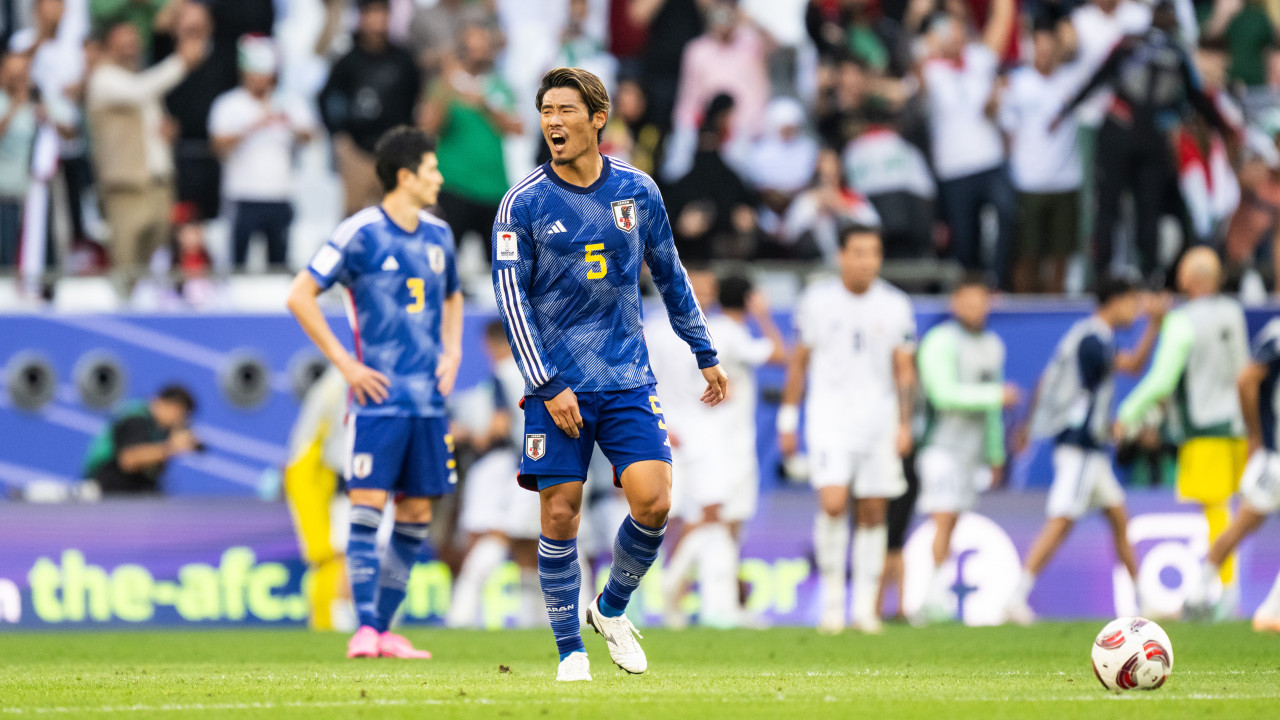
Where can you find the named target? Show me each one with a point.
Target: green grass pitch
(1220, 671)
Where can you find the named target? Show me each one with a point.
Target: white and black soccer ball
(1132, 653)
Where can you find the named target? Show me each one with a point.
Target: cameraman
(129, 455)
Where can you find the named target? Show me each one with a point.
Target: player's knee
(561, 516)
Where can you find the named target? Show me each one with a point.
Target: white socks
(486, 556)
(1022, 594)
(870, 545)
(1270, 606)
(718, 576)
(830, 543)
(935, 599)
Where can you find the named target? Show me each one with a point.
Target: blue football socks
(634, 550)
(406, 540)
(362, 563)
(561, 580)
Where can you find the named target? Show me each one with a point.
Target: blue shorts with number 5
(627, 424)
(409, 456)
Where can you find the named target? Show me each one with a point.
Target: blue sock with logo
(406, 540)
(634, 550)
(363, 562)
(561, 580)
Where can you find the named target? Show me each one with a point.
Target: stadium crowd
(162, 137)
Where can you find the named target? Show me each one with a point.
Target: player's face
(425, 184)
(169, 415)
(860, 260)
(971, 305)
(1125, 309)
(570, 131)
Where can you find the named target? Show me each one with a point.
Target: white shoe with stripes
(621, 636)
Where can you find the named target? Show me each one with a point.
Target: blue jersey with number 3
(566, 274)
(396, 284)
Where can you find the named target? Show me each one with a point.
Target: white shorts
(948, 484)
(493, 502)
(1260, 485)
(874, 473)
(1082, 480)
(697, 482)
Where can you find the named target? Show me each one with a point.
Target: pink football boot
(364, 643)
(398, 646)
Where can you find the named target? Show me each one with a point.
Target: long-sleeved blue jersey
(566, 273)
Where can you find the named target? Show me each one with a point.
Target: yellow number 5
(602, 267)
(418, 289)
(657, 410)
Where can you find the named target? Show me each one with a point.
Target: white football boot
(621, 636)
(574, 668)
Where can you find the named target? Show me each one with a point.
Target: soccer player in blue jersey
(396, 262)
(568, 244)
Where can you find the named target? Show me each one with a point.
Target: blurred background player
(1073, 406)
(962, 375)
(396, 262)
(855, 351)
(312, 481)
(571, 305)
(720, 467)
(499, 523)
(1203, 347)
(131, 452)
(1260, 486)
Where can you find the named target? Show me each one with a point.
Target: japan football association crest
(361, 465)
(624, 214)
(535, 446)
(435, 256)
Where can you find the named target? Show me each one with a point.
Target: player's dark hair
(852, 229)
(362, 5)
(400, 148)
(591, 88)
(973, 279)
(494, 331)
(178, 394)
(734, 290)
(1114, 287)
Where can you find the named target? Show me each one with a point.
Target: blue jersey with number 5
(396, 283)
(566, 274)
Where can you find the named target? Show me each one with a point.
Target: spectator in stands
(968, 153)
(670, 26)
(1248, 34)
(254, 132)
(781, 162)
(1254, 229)
(435, 30)
(18, 126)
(132, 152)
(843, 92)
(469, 110)
(893, 175)
(370, 90)
(1044, 164)
(579, 48)
(130, 455)
(859, 28)
(728, 59)
(148, 18)
(811, 227)
(712, 209)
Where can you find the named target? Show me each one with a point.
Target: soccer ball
(1132, 652)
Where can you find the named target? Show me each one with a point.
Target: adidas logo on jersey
(557, 227)
(390, 264)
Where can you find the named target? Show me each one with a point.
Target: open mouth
(558, 140)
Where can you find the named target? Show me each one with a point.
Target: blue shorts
(627, 424)
(408, 456)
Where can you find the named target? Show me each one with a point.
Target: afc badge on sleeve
(624, 214)
(507, 250)
(535, 446)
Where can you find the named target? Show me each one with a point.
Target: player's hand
(1157, 305)
(563, 409)
(366, 383)
(789, 444)
(182, 441)
(717, 385)
(1254, 444)
(447, 372)
(905, 441)
(1119, 432)
(1021, 439)
(997, 476)
(1012, 396)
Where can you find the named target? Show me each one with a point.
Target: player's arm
(904, 379)
(793, 389)
(512, 279)
(1174, 346)
(939, 374)
(137, 453)
(1134, 360)
(325, 269)
(758, 307)
(451, 341)
(1248, 385)
(677, 294)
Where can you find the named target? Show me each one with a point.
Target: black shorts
(903, 507)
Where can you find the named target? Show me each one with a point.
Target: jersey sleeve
(940, 377)
(1177, 336)
(907, 326)
(736, 343)
(673, 283)
(331, 262)
(803, 320)
(512, 278)
(1266, 347)
(1095, 362)
(451, 284)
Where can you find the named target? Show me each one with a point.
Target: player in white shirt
(717, 446)
(501, 524)
(855, 351)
